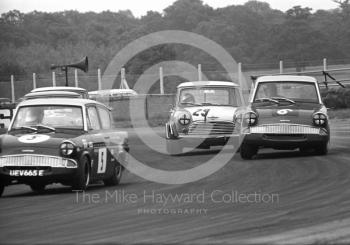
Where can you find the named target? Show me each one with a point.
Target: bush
(337, 98)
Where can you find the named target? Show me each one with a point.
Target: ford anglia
(284, 112)
(62, 140)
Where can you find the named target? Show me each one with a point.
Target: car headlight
(184, 117)
(251, 118)
(67, 148)
(319, 119)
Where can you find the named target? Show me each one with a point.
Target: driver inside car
(188, 99)
(34, 116)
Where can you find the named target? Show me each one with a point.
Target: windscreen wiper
(188, 103)
(267, 99)
(207, 103)
(285, 99)
(25, 127)
(41, 126)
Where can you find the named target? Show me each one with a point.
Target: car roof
(59, 88)
(207, 83)
(59, 101)
(5, 100)
(51, 94)
(287, 78)
(113, 91)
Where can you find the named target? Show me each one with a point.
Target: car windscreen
(54, 116)
(296, 91)
(221, 96)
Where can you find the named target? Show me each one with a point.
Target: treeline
(252, 33)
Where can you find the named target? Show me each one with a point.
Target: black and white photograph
(175, 122)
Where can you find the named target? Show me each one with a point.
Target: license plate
(26, 172)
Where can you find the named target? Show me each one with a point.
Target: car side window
(105, 118)
(93, 120)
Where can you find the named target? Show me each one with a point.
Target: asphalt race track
(311, 202)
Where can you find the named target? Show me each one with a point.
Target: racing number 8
(102, 160)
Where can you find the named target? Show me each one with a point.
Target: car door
(107, 134)
(96, 137)
(114, 139)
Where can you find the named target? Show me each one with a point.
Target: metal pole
(281, 66)
(161, 82)
(34, 80)
(13, 88)
(76, 78)
(53, 79)
(199, 72)
(99, 80)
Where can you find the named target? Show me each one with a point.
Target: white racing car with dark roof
(284, 112)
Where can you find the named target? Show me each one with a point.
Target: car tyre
(305, 150)
(37, 187)
(82, 179)
(2, 187)
(173, 147)
(116, 176)
(321, 149)
(247, 151)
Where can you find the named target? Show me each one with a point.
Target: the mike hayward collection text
(161, 198)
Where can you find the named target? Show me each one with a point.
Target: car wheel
(2, 187)
(82, 179)
(37, 187)
(304, 150)
(248, 151)
(321, 149)
(173, 147)
(116, 176)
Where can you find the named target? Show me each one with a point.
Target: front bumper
(285, 136)
(207, 140)
(31, 168)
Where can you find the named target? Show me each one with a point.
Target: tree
(186, 15)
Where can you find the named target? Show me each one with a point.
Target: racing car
(284, 112)
(62, 140)
(202, 116)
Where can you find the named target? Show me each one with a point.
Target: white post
(13, 88)
(34, 80)
(281, 66)
(240, 74)
(53, 79)
(199, 72)
(324, 64)
(122, 78)
(76, 78)
(161, 82)
(99, 80)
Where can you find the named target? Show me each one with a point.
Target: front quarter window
(93, 121)
(106, 120)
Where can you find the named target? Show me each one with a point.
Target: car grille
(31, 160)
(210, 128)
(284, 128)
